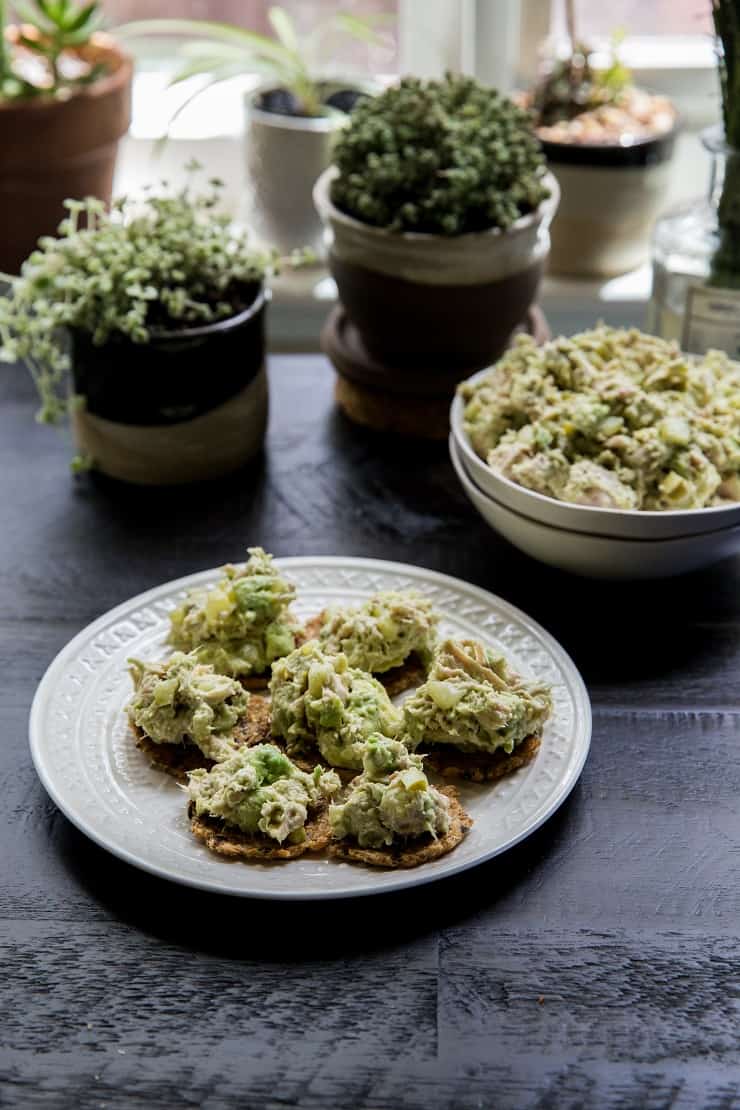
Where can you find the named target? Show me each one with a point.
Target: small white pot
(610, 199)
(284, 157)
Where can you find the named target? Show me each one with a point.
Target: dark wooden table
(595, 965)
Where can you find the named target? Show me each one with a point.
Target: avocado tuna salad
(260, 792)
(611, 418)
(382, 633)
(243, 623)
(392, 816)
(474, 703)
(320, 702)
(392, 798)
(184, 701)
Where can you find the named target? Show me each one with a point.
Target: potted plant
(439, 204)
(150, 319)
(65, 91)
(291, 118)
(610, 145)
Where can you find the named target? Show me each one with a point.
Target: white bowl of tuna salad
(594, 556)
(611, 432)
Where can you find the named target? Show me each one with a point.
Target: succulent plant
(444, 157)
(51, 30)
(572, 85)
(165, 262)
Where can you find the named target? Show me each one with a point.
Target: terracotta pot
(56, 149)
(432, 301)
(285, 154)
(610, 199)
(188, 405)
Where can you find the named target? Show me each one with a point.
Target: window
(635, 17)
(218, 111)
(253, 14)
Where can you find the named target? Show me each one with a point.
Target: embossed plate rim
(360, 881)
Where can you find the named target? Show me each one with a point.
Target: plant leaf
(26, 12)
(222, 75)
(204, 64)
(81, 17)
(204, 30)
(53, 10)
(284, 28)
(33, 44)
(357, 28)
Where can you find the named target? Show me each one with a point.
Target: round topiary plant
(443, 157)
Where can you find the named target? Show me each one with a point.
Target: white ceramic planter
(284, 157)
(472, 259)
(610, 199)
(436, 301)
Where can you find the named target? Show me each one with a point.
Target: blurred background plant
(42, 59)
(294, 62)
(573, 84)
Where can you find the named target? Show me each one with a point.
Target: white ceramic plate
(88, 763)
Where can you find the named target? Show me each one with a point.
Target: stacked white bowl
(597, 543)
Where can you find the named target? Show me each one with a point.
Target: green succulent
(444, 157)
(56, 26)
(163, 262)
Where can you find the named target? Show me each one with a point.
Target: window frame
(500, 42)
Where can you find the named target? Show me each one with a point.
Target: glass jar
(696, 263)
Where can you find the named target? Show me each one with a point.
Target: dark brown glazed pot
(52, 150)
(461, 327)
(436, 303)
(188, 405)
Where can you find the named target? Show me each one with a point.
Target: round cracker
(411, 853)
(233, 844)
(178, 760)
(311, 628)
(256, 681)
(411, 673)
(451, 763)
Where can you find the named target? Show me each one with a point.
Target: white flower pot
(284, 156)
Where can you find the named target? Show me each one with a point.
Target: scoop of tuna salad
(391, 800)
(611, 418)
(473, 701)
(319, 701)
(183, 700)
(259, 790)
(383, 632)
(243, 623)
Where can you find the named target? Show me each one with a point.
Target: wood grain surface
(595, 965)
